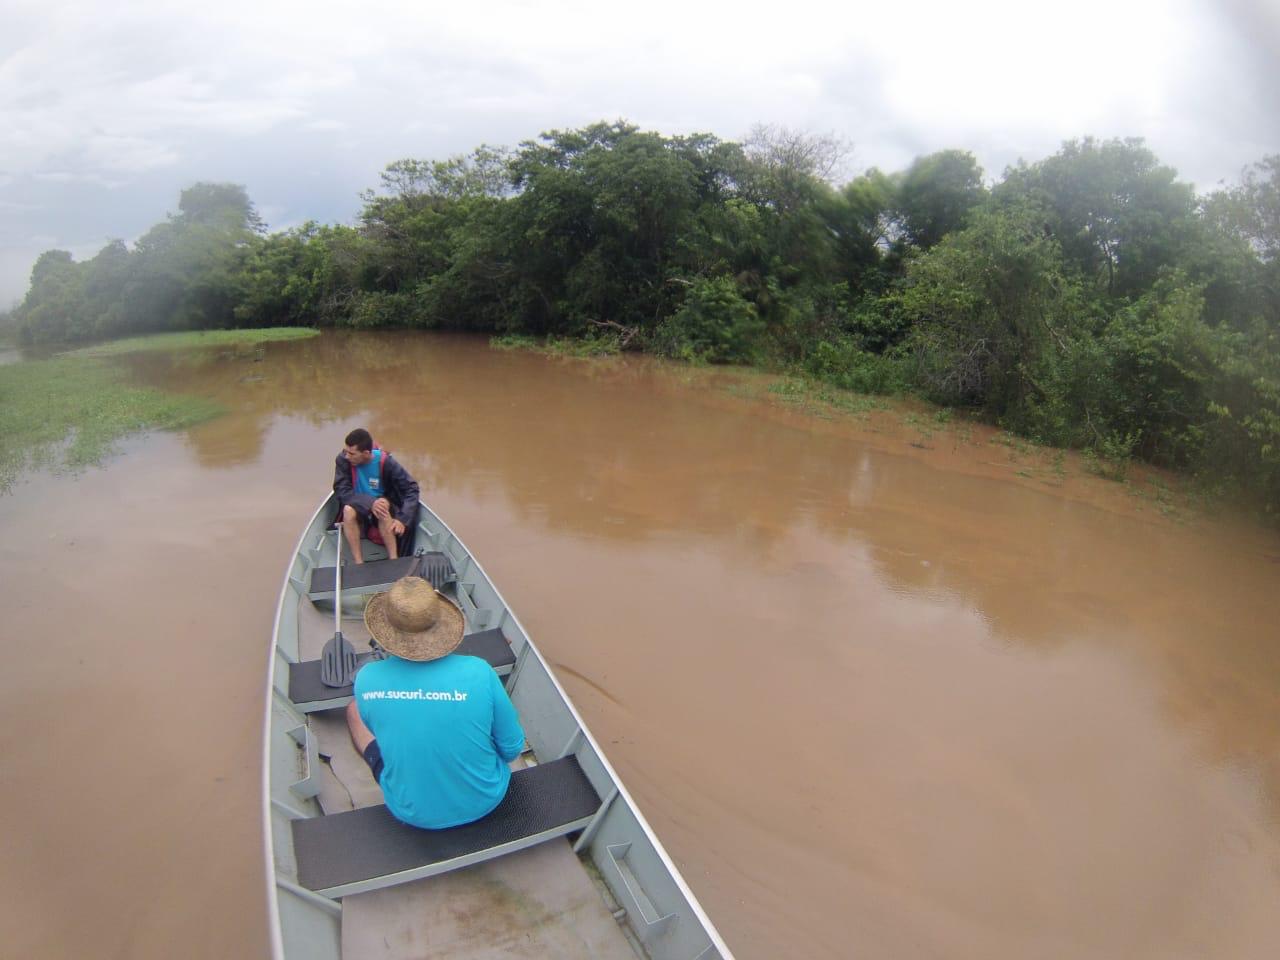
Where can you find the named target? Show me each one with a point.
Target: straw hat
(414, 622)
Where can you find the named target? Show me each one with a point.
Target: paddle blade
(438, 568)
(337, 662)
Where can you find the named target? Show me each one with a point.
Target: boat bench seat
(371, 577)
(308, 693)
(368, 849)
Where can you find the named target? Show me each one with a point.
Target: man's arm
(403, 482)
(508, 735)
(358, 687)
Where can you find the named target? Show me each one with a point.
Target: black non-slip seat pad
(358, 845)
(361, 576)
(304, 677)
(489, 645)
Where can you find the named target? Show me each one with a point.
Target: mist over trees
(1088, 299)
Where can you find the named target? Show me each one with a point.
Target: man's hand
(397, 527)
(381, 508)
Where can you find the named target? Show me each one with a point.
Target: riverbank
(948, 438)
(68, 411)
(958, 440)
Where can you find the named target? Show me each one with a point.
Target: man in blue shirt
(436, 727)
(375, 495)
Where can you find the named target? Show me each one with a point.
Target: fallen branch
(625, 334)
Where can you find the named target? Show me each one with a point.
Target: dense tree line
(1089, 299)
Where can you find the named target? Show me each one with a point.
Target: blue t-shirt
(447, 730)
(369, 475)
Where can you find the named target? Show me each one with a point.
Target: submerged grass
(195, 338)
(68, 412)
(822, 399)
(605, 345)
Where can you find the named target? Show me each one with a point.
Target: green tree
(426, 212)
(1119, 215)
(106, 285)
(715, 324)
(225, 207)
(786, 175)
(601, 221)
(1162, 359)
(985, 305)
(935, 194)
(864, 225)
(1252, 209)
(1243, 240)
(53, 309)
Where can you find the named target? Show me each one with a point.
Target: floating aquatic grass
(195, 338)
(68, 412)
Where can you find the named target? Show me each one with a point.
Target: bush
(985, 306)
(1164, 357)
(876, 323)
(378, 309)
(843, 363)
(514, 341)
(1243, 442)
(715, 324)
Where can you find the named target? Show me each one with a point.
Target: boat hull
(638, 880)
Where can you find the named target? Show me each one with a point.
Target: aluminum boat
(566, 866)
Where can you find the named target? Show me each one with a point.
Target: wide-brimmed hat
(413, 621)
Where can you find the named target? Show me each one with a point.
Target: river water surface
(881, 692)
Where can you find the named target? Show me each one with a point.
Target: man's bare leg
(389, 537)
(384, 518)
(351, 530)
(361, 735)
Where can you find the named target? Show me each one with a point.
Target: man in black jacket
(375, 495)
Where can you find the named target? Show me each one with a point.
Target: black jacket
(400, 489)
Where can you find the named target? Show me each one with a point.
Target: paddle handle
(337, 583)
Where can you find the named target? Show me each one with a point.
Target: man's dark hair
(360, 439)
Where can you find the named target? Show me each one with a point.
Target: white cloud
(306, 101)
(325, 126)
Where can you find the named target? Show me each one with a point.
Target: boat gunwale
(714, 935)
(275, 931)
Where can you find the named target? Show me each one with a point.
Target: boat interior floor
(543, 901)
(535, 903)
(315, 625)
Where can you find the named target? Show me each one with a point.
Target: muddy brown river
(884, 688)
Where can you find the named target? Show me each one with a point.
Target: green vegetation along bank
(235, 339)
(1089, 299)
(68, 411)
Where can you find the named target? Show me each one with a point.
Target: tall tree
(1119, 214)
(222, 206)
(54, 307)
(935, 195)
(1249, 215)
(598, 225)
(985, 306)
(1252, 209)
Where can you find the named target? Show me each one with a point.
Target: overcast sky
(108, 110)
